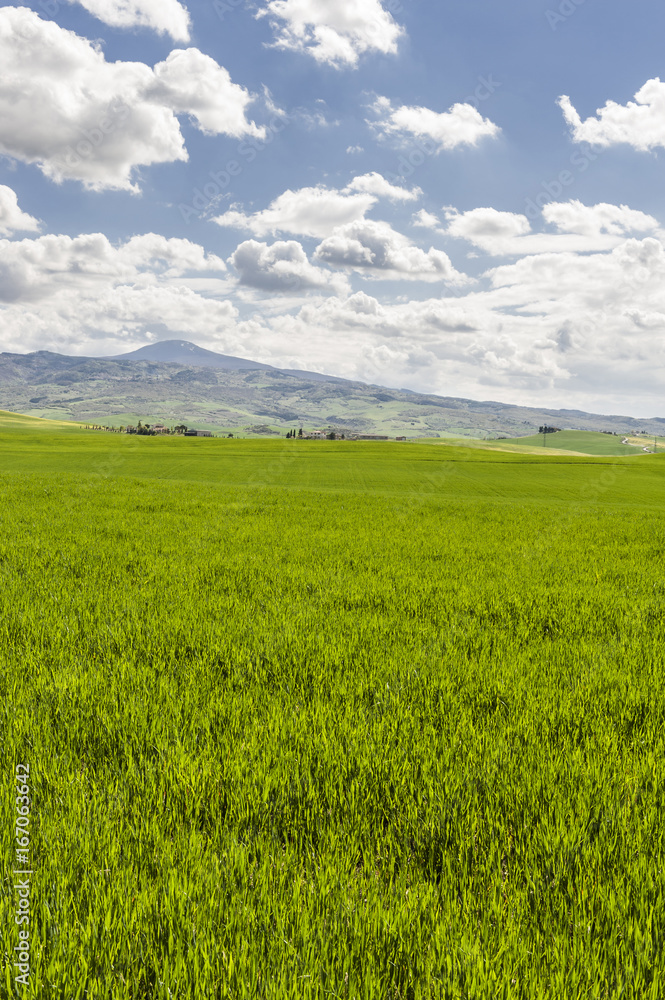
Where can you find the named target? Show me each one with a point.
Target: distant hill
(178, 382)
(183, 353)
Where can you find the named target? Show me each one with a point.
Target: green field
(581, 442)
(332, 719)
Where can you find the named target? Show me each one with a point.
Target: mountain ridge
(185, 352)
(230, 393)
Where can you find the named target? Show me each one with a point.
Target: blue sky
(456, 198)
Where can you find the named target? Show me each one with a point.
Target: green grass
(584, 442)
(332, 719)
(20, 422)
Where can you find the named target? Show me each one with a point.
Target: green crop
(311, 720)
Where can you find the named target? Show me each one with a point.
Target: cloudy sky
(460, 198)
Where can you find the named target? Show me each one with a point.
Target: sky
(464, 199)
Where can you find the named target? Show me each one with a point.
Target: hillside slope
(125, 389)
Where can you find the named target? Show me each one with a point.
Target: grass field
(331, 719)
(578, 442)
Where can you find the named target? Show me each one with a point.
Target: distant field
(582, 442)
(333, 719)
(15, 421)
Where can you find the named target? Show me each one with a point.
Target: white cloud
(314, 211)
(12, 219)
(59, 292)
(316, 118)
(640, 123)
(375, 183)
(168, 17)
(174, 257)
(375, 248)
(444, 345)
(317, 211)
(581, 228)
(461, 125)
(592, 220)
(192, 83)
(493, 231)
(32, 270)
(336, 32)
(585, 329)
(78, 117)
(551, 327)
(281, 267)
(426, 220)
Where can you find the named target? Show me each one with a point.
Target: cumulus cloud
(79, 117)
(62, 292)
(375, 183)
(426, 220)
(461, 125)
(192, 83)
(375, 248)
(336, 32)
(36, 269)
(441, 344)
(639, 123)
(316, 211)
(313, 211)
(281, 267)
(580, 228)
(591, 220)
(168, 17)
(173, 257)
(12, 219)
(590, 327)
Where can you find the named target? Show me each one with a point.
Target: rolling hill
(181, 352)
(178, 382)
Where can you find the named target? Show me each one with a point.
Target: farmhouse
(202, 434)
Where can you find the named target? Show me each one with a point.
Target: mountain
(181, 352)
(177, 382)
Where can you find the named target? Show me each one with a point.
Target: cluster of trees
(147, 429)
(548, 430)
(330, 436)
